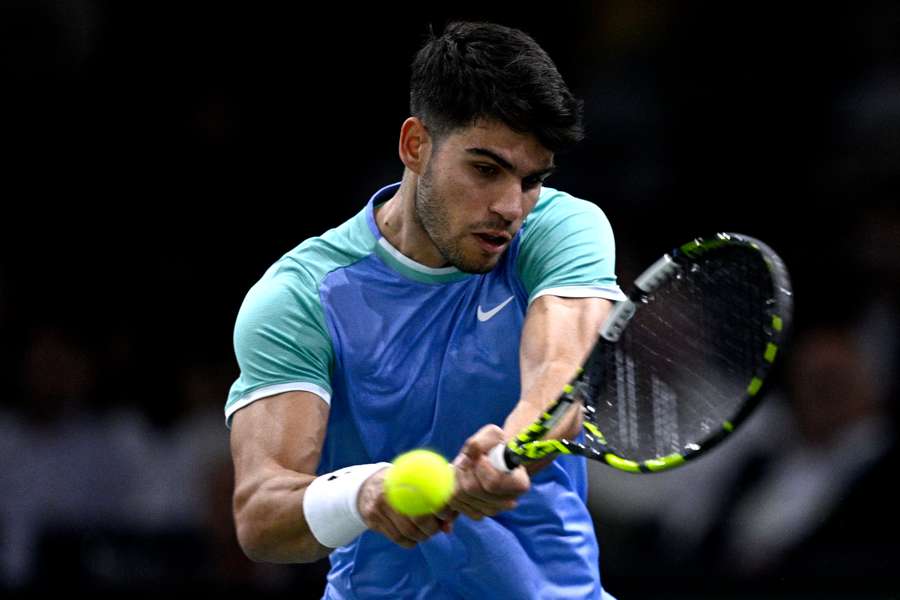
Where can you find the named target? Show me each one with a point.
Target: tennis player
(446, 314)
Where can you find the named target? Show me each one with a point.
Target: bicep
(276, 443)
(285, 431)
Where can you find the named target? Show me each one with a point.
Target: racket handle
(502, 459)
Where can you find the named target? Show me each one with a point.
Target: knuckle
(491, 480)
(470, 512)
(468, 486)
(411, 531)
(428, 525)
(398, 537)
(491, 428)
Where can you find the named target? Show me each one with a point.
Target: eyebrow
(506, 164)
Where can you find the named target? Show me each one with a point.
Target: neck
(396, 219)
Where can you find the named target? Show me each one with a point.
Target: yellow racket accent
(622, 464)
(594, 431)
(665, 462)
(754, 386)
(540, 448)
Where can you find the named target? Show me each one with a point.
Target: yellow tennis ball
(418, 483)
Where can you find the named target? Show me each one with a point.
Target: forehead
(517, 148)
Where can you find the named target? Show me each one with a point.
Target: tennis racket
(678, 366)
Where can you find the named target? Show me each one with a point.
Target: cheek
(459, 198)
(458, 187)
(530, 202)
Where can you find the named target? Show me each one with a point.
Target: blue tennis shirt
(410, 356)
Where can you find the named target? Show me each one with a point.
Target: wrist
(330, 504)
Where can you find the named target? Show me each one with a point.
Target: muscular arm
(557, 335)
(556, 338)
(276, 443)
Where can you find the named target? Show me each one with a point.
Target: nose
(510, 203)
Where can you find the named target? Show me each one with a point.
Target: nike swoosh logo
(487, 315)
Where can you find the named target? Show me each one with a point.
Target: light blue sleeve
(280, 339)
(567, 249)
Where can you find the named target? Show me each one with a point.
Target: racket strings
(683, 365)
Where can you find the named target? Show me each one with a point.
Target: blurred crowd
(162, 160)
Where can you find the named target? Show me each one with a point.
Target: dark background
(159, 156)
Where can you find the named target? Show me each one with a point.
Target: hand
(481, 490)
(400, 529)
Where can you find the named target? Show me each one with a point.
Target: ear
(415, 145)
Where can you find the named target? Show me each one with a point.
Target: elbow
(249, 534)
(250, 539)
(265, 545)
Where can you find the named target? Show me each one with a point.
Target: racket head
(681, 364)
(681, 369)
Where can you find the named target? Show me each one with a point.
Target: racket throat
(618, 320)
(647, 283)
(559, 411)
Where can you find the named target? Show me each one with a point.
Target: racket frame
(529, 445)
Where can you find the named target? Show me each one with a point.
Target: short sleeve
(280, 339)
(568, 250)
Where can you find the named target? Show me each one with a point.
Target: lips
(493, 241)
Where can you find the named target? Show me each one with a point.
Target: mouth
(493, 241)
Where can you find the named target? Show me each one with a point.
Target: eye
(486, 170)
(532, 183)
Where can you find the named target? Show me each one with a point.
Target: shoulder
(293, 281)
(566, 243)
(339, 247)
(556, 208)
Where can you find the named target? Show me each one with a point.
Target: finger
(470, 485)
(428, 525)
(448, 520)
(462, 462)
(408, 528)
(445, 514)
(473, 501)
(500, 485)
(484, 439)
(467, 509)
(472, 506)
(390, 530)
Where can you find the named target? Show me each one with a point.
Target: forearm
(548, 385)
(546, 382)
(269, 517)
(556, 339)
(276, 445)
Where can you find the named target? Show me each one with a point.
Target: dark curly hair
(487, 71)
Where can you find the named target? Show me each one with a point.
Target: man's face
(478, 186)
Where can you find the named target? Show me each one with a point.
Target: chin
(477, 268)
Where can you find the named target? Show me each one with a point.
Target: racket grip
(501, 459)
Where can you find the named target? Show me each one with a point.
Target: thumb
(478, 445)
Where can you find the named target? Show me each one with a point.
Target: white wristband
(329, 504)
